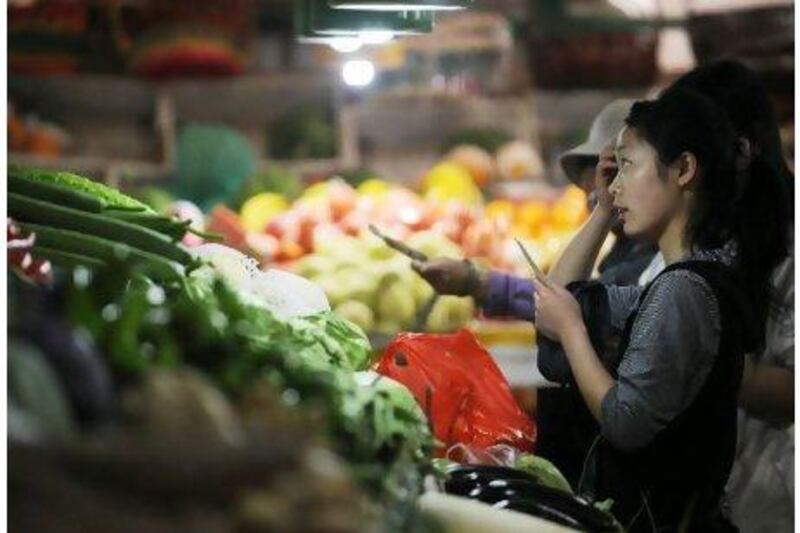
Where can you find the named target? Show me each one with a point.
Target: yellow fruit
(315, 191)
(450, 313)
(259, 210)
(450, 181)
(532, 216)
(570, 210)
(574, 194)
(356, 312)
(500, 209)
(374, 187)
(396, 303)
(476, 160)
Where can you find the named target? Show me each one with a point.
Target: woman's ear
(686, 166)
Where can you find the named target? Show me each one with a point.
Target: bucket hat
(605, 127)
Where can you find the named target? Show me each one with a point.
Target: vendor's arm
(506, 295)
(498, 294)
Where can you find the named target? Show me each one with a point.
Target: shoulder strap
(732, 300)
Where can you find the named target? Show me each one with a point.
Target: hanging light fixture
(328, 21)
(303, 30)
(317, 23)
(401, 5)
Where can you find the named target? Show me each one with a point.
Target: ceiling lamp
(401, 5)
(325, 20)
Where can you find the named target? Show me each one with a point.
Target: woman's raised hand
(557, 311)
(605, 172)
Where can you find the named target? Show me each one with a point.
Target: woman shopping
(666, 406)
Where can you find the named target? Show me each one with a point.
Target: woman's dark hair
(684, 121)
(764, 210)
(728, 207)
(766, 200)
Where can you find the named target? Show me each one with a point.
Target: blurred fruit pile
(275, 230)
(320, 232)
(374, 286)
(546, 226)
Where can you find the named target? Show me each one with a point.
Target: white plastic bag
(284, 294)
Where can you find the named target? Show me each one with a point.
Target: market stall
(214, 214)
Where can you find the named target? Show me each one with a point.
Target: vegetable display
(211, 310)
(67, 184)
(202, 339)
(79, 221)
(313, 360)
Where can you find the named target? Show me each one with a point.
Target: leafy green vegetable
(397, 415)
(346, 344)
(110, 196)
(375, 425)
(544, 471)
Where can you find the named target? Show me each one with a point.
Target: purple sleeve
(508, 296)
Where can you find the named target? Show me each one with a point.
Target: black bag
(593, 300)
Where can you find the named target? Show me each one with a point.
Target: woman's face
(646, 201)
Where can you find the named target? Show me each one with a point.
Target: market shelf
(243, 98)
(134, 123)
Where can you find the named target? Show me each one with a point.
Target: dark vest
(682, 473)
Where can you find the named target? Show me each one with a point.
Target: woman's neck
(673, 244)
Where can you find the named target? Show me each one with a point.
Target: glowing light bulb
(358, 72)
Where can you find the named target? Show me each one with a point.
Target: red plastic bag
(461, 390)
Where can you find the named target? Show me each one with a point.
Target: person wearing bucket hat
(579, 162)
(622, 265)
(627, 258)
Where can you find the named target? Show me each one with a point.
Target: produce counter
(170, 365)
